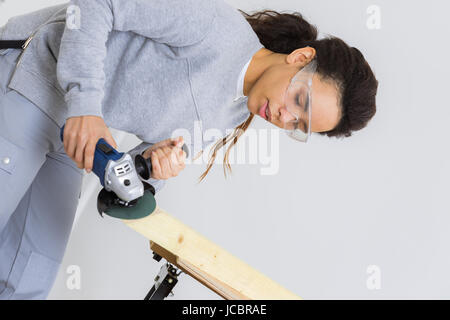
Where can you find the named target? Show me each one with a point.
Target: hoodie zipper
(27, 42)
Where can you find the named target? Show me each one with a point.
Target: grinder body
(116, 171)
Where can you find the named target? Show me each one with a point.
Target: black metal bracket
(165, 281)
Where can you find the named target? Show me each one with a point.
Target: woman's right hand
(80, 137)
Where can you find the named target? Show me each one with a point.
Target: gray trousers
(39, 191)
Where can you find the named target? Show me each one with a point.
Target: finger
(178, 162)
(65, 139)
(163, 143)
(79, 153)
(66, 136)
(179, 156)
(69, 136)
(146, 154)
(156, 166)
(81, 141)
(172, 159)
(182, 157)
(165, 163)
(182, 160)
(109, 138)
(180, 142)
(89, 156)
(71, 145)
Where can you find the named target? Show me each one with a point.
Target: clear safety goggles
(298, 103)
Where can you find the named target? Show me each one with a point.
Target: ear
(301, 56)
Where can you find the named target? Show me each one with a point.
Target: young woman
(148, 68)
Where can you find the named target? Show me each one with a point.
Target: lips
(264, 111)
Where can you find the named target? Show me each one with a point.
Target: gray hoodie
(148, 67)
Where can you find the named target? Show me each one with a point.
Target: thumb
(166, 143)
(111, 141)
(179, 141)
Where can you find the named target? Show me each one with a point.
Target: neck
(261, 61)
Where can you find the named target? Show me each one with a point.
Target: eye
(297, 99)
(300, 100)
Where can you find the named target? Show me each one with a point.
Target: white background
(336, 206)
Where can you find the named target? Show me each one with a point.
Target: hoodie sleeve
(83, 45)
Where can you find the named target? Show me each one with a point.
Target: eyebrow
(306, 110)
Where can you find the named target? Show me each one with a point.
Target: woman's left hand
(168, 159)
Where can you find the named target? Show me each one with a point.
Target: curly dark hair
(337, 62)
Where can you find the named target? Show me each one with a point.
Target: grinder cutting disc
(144, 206)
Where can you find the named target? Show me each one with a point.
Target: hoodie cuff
(84, 105)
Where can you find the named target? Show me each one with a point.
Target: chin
(251, 105)
(254, 103)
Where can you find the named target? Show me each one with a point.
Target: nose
(286, 116)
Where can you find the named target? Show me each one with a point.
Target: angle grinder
(125, 194)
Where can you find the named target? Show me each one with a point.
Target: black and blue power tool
(124, 195)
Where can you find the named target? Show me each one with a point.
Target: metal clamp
(165, 281)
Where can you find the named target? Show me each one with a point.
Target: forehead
(325, 111)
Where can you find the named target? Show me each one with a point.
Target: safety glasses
(298, 102)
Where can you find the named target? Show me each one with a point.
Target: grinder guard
(108, 203)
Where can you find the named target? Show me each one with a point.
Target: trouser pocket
(37, 278)
(9, 153)
(13, 182)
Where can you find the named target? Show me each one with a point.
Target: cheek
(272, 85)
(274, 89)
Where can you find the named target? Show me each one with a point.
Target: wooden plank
(213, 266)
(215, 285)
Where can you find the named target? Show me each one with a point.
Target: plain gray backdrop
(335, 207)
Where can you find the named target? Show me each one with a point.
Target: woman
(148, 68)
